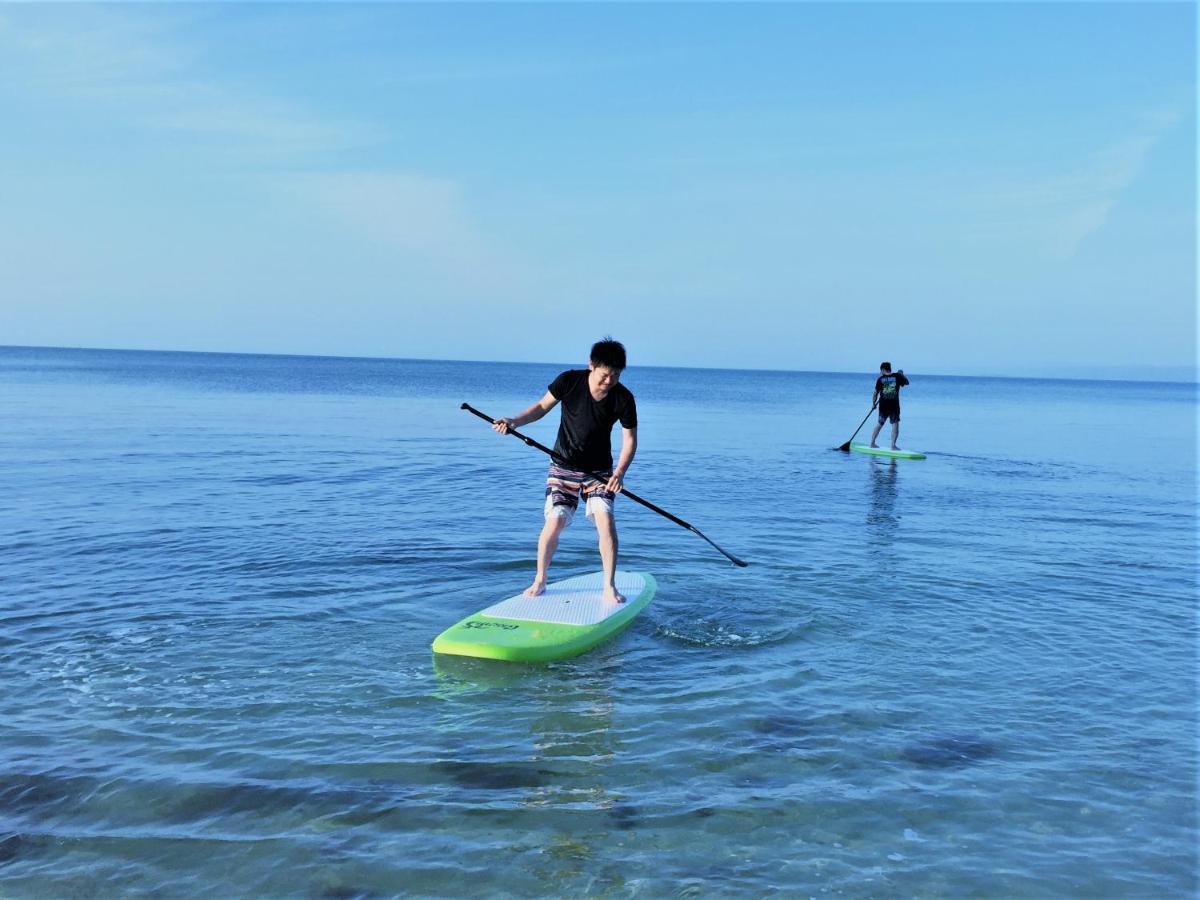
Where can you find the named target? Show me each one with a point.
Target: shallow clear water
(971, 675)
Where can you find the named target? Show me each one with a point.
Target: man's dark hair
(885, 366)
(608, 353)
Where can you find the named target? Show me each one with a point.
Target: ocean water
(968, 676)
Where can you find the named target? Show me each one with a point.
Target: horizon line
(1195, 368)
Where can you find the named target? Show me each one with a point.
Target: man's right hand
(501, 426)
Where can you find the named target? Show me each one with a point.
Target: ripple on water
(714, 632)
(967, 677)
(951, 751)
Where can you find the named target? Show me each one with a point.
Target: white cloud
(85, 49)
(143, 70)
(1062, 211)
(256, 125)
(419, 219)
(403, 212)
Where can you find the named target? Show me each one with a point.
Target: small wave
(271, 480)
(716, 633)
(1006, 467)
(952, 751)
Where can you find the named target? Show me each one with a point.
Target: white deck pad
(573, 601)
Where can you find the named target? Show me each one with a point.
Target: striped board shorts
(563, 487)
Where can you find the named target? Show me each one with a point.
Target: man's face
(601, 379)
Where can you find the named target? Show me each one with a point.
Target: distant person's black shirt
(585, 432)
(888, 388)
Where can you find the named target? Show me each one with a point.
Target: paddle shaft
(845, 448)
(603, 479)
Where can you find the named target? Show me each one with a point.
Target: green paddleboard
(881, 451)
(568, 619)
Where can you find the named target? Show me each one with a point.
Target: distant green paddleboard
(568, 619)
(881, 451)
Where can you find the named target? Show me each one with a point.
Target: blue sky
(962, 188)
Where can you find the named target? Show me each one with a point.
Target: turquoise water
(971, 675)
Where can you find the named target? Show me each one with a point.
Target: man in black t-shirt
(593, 400)
(887, 395)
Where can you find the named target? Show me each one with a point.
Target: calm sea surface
(968, 676)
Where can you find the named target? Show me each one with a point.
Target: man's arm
(628, 449)
(532, 414)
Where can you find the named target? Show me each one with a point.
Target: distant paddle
(845, 448)
(602, 479)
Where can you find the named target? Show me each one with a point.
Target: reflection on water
(884, 486)
(567, 715)
(556, 771)
(460, 675)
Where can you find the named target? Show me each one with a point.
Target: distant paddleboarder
(887, 395)
(593, 400)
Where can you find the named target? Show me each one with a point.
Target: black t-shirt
(888, 388)
(585, 432)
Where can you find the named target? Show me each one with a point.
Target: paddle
(603, 479)
(845, 448)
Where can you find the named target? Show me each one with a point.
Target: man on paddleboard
(593, 400)
(887, 395)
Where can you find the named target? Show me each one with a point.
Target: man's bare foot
(874, 446)
(538, 587)
(894, 447)
(611, 597)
